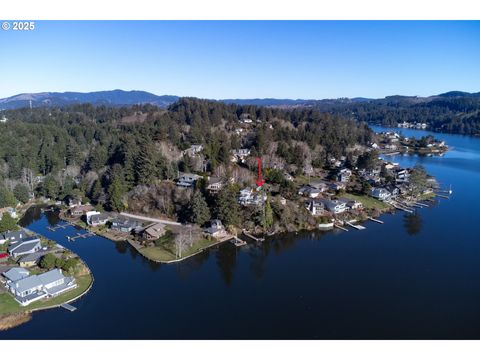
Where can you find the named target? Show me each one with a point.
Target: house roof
(14, 234)
(155, 229)
(32, 257)
(35, 281)
(16, 273)
(24, 246)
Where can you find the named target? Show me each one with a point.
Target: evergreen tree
(200, 210)
(116, 191)
(227, 208)
(7, 223)
(21, 193)
(6, 197)
(268, 218)
(50, 187)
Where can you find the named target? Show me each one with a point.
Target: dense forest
(104, 153)
(453, 112)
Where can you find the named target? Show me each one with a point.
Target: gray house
(36, 287)
(124, 224)
(16, 273)
(26, 246)
(13, 236)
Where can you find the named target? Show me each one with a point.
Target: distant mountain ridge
(122, 97)
(112, 98)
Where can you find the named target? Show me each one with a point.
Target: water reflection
(189, 266)
(226, 257)
(121, 247)
(413, 223)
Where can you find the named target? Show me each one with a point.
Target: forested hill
(455, 112)
(141, 144)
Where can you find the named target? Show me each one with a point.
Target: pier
(339, 227)
(375, 220)
(358, 227)
(238, 242)
(80, 236)
(68, 307)
(442, 196)
(247, 234)
(400, 207)
(60, 226)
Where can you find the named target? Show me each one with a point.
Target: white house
(187, 180)
(315, 207)
(35, 287)
(335, 206)
(381, 194)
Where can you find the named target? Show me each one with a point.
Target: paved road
(144, 218)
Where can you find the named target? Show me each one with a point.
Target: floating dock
(57, 227)
(238, 242)
(340, 227)
(252, 237)
(80, 236)
(376, 220)
(358, 227)
(68, 307)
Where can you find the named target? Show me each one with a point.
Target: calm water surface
(415, 277)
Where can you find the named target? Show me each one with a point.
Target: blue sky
(247, 59)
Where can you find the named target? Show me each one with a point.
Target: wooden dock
(376, 220)
(340, 227)
(238, 242)
(68, 307)
(80, 236)
(358, 227)
(251, 236)
(442, 196)
(57, 227)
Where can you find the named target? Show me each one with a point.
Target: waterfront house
(28, 245)
(124, 224)
(154, 231)
(353, 204)
(31, 259)
(214, 184)
(70, 201)
(98, 219)
(315, 207)
(335, 206)
(80, 210)
(318, 185)
(215, 229)
(15, 274)
(187, 180)
(12, 236)
(380, 193)
(35, 287)
(394, 190)
(248, 197)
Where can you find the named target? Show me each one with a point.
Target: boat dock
(358, 227)
(400, 207)
(247, 234)
(442, 196)
(68, 307)
(238, 242)
(339, 227)
(80, 236)
(60, 226)
(375, 220)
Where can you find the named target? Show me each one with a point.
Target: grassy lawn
(9, 305)
(367, 201)
(166, 252)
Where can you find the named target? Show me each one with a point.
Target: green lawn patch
(9, 305)
(166, 251)
(367, 201)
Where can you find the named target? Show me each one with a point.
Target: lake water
(414, 277)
